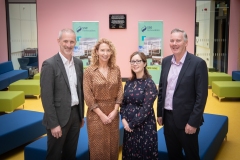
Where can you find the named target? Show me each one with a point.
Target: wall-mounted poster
(150, 40)
(87, 37)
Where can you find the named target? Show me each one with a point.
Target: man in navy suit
(183, 91)
(61, 83)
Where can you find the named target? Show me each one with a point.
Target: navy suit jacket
(190, 94)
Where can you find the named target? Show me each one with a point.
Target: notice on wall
(117, 21)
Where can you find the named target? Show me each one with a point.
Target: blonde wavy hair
(112, 60)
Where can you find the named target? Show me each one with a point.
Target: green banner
(150, 40)
(87, 37)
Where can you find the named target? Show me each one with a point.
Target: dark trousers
(65, 147)
(177, 140)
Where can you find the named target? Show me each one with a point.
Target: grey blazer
(55, 91)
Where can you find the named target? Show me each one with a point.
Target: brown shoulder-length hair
(112, 60)
(144, 59)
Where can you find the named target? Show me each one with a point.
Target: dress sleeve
(88, 90)
(120, 89)
(144, 112)
(124, 103)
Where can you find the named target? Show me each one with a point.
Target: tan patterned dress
(104, 94)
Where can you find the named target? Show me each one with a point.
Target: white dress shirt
(72, 78)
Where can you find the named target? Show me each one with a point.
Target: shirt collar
(65, 60)
(181, 61)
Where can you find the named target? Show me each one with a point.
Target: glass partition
(22, 35)
(211, 44)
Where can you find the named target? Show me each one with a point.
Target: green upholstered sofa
(212, 70)
(10, 100)
(30, 87)
(36, 76)
(218, 76)
(226, 89)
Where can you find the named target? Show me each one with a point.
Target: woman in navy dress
(137, 113)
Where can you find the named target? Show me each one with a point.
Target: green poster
(150, 40)
(87, 37)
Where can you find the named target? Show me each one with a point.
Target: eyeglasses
(137, 62)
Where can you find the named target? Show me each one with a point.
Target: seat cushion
(10, 100)
(30, 87)
(236, 75)
(218, 76)
(211, 135)
(36, 76)
(4, 82)
(226, 88)
(20, 127)
(6, 67)
(37, 150)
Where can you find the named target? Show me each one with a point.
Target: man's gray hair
(185, 37)
(66, 30)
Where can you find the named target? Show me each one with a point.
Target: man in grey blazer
(62, 98)
(183, 91)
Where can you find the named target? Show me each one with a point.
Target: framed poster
(87, 36)
(150, 40)
(117, 21)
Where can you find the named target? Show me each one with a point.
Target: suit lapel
(183, 70)
(168, 66)
(63, 70)
(77, 69)
(165, 74)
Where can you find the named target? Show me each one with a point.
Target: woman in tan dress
(103, 93)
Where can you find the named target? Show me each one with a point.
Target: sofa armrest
(6, 67)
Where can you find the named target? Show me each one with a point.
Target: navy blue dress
(137, 109)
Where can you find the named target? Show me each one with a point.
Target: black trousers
(65, 147)
(177, 140)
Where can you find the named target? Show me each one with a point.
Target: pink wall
(52, 18)
(233, 35)
(54, 15)
(3, 29)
